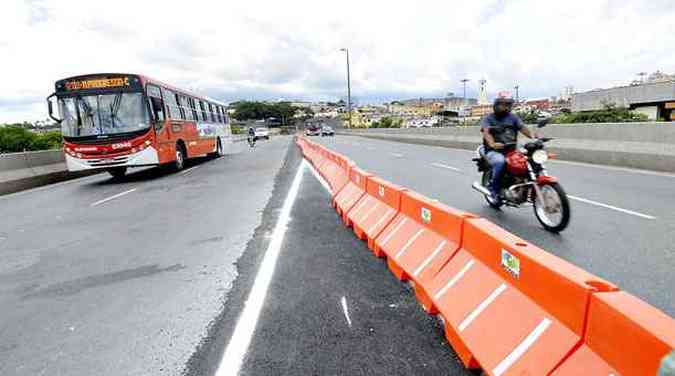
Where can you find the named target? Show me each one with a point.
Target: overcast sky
(290, 49)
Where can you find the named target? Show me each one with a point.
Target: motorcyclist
(251, 135)
(499, 128)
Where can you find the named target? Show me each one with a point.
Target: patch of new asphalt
(302, 328)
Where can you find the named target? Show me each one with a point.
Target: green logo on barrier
(511, 263)
(426, 215)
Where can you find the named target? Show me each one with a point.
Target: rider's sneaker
(495, 199)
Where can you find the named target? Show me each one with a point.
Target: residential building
(480, 110)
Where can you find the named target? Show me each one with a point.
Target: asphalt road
(127, 286)
(635, 250)
(150, 275)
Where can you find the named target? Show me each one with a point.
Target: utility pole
(349, 89)
(517, 97)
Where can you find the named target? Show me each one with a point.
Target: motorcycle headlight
(540, 156)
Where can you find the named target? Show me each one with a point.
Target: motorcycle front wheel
(553, 209)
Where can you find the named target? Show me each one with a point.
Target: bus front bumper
(145, 157)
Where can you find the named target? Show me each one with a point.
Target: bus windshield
(102, 114)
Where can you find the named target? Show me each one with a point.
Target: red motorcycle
(526, 182)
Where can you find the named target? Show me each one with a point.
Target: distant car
(327, 131)
(313, 131)
(262, 132)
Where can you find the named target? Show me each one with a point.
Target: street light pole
(464, 81)
(349, 89)
(517, 97)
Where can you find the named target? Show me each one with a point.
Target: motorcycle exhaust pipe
(480, 189)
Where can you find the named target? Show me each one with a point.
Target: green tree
(15, 139)
(609, 114)
(283, 111)
(529, 116)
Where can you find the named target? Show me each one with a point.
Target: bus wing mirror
(50, 107)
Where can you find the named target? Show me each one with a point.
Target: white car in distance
(262, 132)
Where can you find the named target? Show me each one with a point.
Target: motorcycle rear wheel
(560, 206)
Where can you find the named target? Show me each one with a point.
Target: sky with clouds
(290, 49)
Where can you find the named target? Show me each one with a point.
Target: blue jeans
(497, 163)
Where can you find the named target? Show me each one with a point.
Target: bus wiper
(114, 107)
(86, 108)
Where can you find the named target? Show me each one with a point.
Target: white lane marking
(318, 177)
(606, 206)
(396, 155)
(378, 223)
(454, 280)
(394, 231)
(507, 362)
(441, 165)
(243, 332)
(345, 310)
(188, 170)
(112, 197)
(409, 243)
(430, 258)
(481, 307)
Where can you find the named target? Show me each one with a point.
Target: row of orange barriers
(508, 307)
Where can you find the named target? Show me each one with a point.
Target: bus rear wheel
(179, 163)
(219, 150)
(117, 172)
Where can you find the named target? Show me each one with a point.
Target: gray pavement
(305, 330)
(635, 252)
(128, 286)
(149, 275)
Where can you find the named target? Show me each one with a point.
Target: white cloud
(273, 49)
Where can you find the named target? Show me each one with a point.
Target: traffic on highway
(456, 188)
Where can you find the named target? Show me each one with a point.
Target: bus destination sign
(99, 83)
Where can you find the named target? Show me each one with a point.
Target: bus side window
(157, 106)
(185, 110)
(219, 111)
(180, 106)
(203, 108)
(193, 107)
(213, 116)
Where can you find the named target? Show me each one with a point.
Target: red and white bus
(115, 121)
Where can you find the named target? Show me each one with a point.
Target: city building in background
(654, 97)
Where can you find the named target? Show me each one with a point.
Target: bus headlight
(540, 156)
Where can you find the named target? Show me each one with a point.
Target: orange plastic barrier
(420, 241)
(508, 306)
(350, 195)
(376, 209)
(335, 170)
(625, 336)
(315, 155)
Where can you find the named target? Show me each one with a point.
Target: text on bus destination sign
(98, 83)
